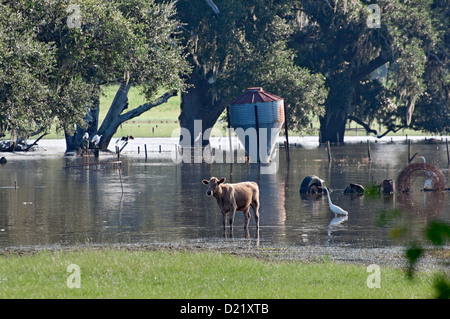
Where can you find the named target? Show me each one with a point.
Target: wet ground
(48, 199)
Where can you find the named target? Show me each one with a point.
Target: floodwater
(47, 198)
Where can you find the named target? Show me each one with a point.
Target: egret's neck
(328, 196)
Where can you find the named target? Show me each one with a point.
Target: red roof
(255, 95)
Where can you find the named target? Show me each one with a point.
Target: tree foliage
(433, 108)
(319, 55)
(336, 39)
(244, 45)
(25, 64)
(85, 44)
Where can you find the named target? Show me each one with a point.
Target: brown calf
(235, 197)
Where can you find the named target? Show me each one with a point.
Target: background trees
(433, 108)
(133, 43)
(336, 45)
(89, 44)
(321, 56)
(243, 45)
(335, 39)
(27, 74)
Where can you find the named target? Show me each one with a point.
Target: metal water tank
(258, 114)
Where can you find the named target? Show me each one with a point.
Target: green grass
(157, 122)
(166, 111)
(120, 273)
(161, 121)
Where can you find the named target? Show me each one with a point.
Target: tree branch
(369, 68)
(35, 142)
(147, 106)
(390, 129)
(213, 6)
(366, 127)
(437, 59)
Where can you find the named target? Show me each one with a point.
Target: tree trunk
(112, 121)
(73, 142)
(198, 103)
(115, 117)
(337, 107)
(333, 130)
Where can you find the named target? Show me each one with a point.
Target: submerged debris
(8, 146)
(19, 145)
(311, 185)
(388, 186)
(354, 189)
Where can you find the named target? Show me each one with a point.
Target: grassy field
(161, 121)
(157, 122)
(120, 273)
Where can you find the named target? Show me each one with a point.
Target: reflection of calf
(235, 197)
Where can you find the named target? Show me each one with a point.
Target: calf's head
(213, 185)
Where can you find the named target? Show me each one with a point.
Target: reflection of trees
(197, 210)
(166, 201)
(423, 203)
(58, 205)
(156, 188)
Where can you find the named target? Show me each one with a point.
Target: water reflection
(335, 225)
(423, 203)
(57, 202)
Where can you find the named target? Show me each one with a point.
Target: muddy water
(47, 199)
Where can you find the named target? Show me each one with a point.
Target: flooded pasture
(47, 198)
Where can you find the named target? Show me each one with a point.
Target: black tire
(311, 185)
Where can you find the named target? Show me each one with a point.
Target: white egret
(428, 183)
(86, 136)
(96, 139)
(198, 138)
(335, 209)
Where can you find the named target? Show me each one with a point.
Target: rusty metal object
(406, 178)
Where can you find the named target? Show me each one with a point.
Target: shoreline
(50, 145)
(434, 259)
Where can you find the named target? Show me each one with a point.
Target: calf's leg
(224, 218)
(255, 207)
(247, 217)
(232, 213)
